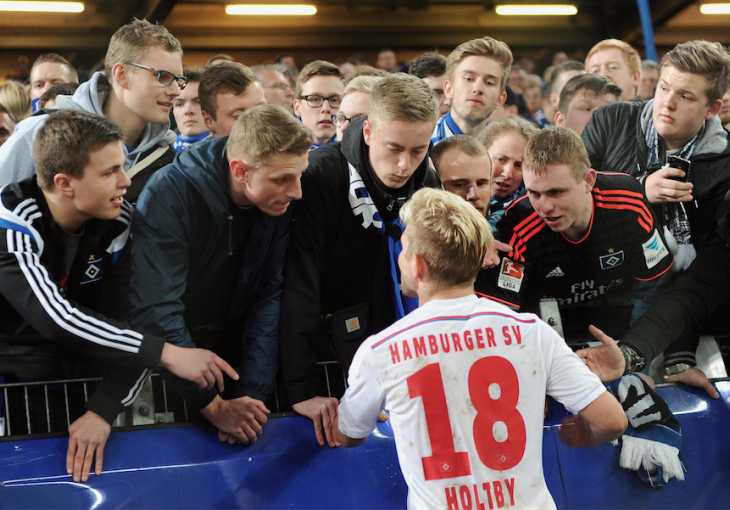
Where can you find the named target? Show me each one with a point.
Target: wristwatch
(677, 369)
(634, 361)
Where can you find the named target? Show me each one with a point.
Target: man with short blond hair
(619, 62)
(319, 95)
(210, 233)
(226, 91)
(476, 73)
(346, 231)
(489, 364)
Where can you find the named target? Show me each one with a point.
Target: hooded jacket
(335, 265)
(615, 142)
(16, 155)
(181, 217)
(37, 300)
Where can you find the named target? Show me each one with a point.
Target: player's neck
(428, 293)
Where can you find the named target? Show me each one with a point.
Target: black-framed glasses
(316, 101)
(340, 119)
(164, 77)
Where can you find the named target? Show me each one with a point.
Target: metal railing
(42, 408)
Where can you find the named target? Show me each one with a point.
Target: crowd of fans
(265, 224)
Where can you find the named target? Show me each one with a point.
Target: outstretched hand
(694, 377)
(198, 365)
(606, 360)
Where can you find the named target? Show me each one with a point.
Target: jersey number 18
(499, 429)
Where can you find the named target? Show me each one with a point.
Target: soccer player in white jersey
(464, 378)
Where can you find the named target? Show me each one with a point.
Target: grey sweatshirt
(16, 155)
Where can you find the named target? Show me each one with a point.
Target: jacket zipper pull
(390, 205)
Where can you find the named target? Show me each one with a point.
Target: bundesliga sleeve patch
(654, 250)
(511, 275)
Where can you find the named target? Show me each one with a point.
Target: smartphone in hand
(682, 164)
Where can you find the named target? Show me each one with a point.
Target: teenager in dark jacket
(210, 232)
(341, 260)
(63, 274)
(640, 139)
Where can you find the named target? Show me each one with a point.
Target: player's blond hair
(556, 146)
(253, 140)
(450, 235)
(402, 97)
(482, 47)
(631, 56)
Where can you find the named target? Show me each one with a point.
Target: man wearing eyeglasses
(141, 79)
(276, 86)
(318, 96)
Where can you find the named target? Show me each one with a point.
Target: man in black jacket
(210, 233)
(340, 281)
(640, 138)
(63, 273)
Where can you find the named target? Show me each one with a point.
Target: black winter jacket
(181, 217)
(334, 264)
(73, 310)
(615, 142)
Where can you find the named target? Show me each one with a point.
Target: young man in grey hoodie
(141, 79)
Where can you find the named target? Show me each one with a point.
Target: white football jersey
(465, 381)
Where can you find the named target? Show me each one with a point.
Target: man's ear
(120, 75)
(502, 98)
(297, 110)
(714, 109)
(590, 178)
(367, 131)
(63, 183)
(240, 170)
(208, 121)
(559, 119)
(420, 267)
(448, 90)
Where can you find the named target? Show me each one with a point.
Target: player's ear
(420, 267)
